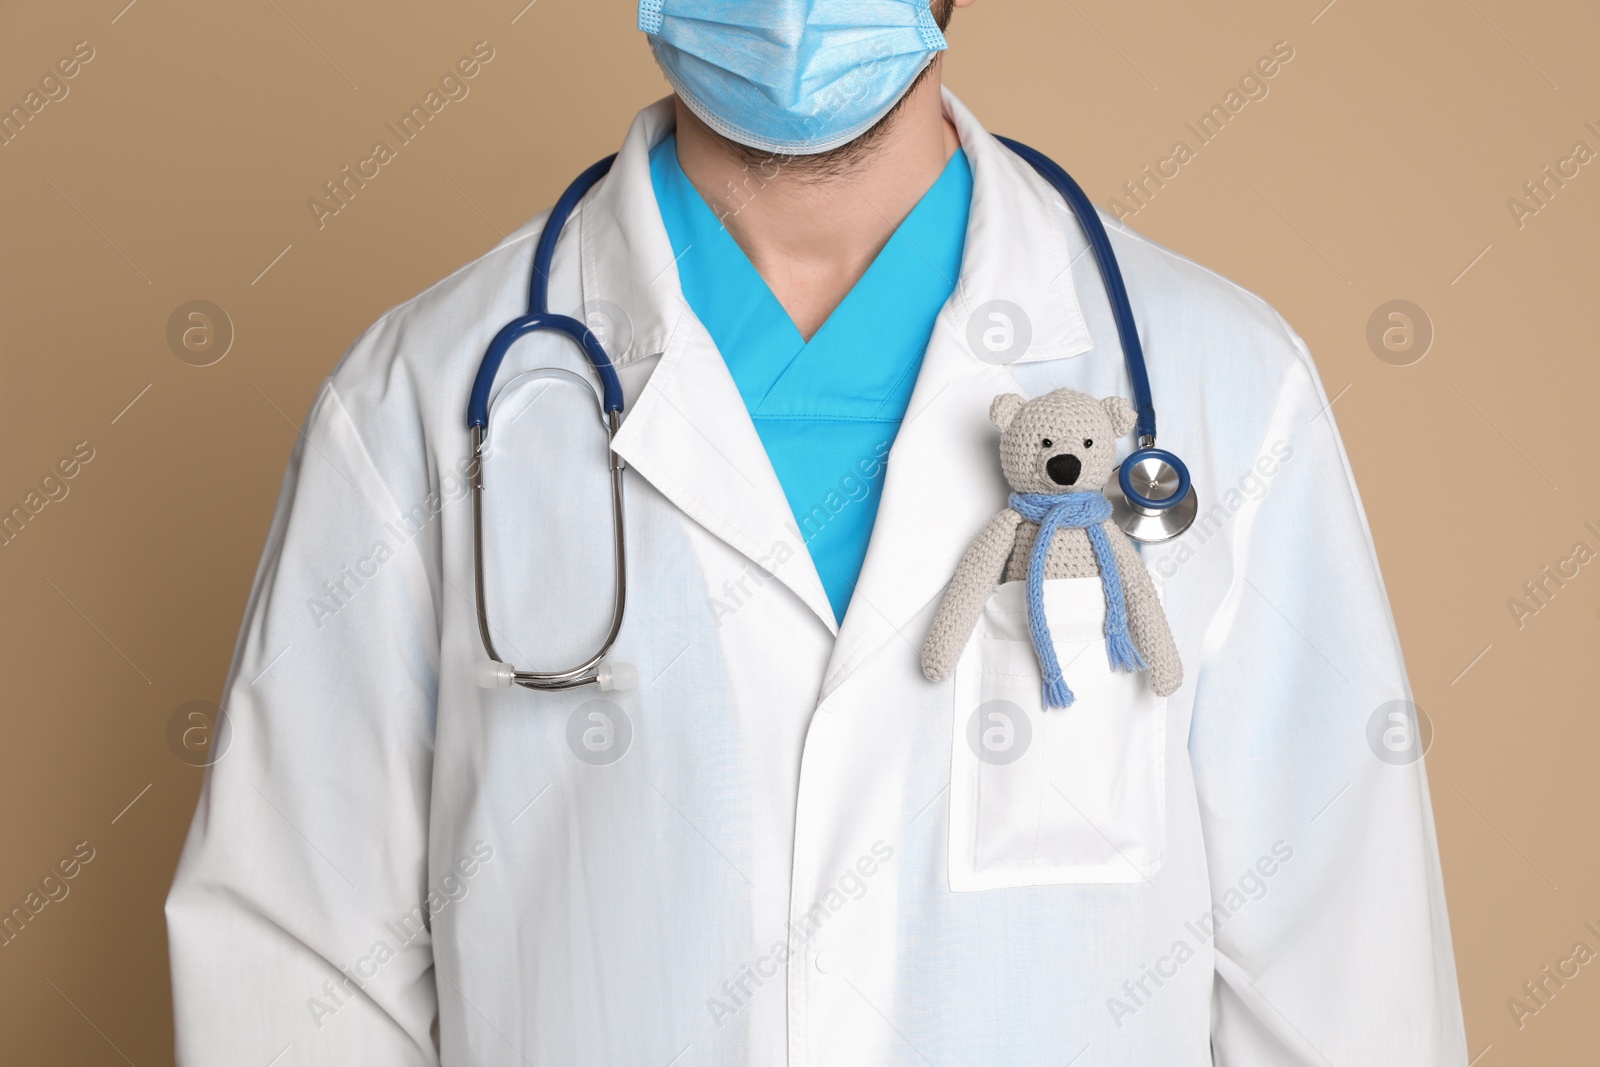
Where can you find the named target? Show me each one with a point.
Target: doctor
(814, 270)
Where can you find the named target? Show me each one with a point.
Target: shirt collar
(626, 261)
(1016, 263)
(1021, 243)
(889, 312)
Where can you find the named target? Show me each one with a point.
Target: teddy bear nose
(1063, 469)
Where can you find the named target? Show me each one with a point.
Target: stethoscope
(1151, 495)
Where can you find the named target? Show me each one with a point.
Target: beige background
(178, 167)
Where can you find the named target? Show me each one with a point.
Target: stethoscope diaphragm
(1152, 498)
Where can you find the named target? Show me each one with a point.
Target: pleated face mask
(794, 77)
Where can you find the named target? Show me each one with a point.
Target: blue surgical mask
(794, 77)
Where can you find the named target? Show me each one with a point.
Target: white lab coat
(779, 848)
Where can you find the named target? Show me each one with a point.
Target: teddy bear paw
(1165, 681)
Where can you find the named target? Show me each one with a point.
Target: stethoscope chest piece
(1151, 496)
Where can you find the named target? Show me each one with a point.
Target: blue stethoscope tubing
(539, 318)
(494, 673)
(1127, 332)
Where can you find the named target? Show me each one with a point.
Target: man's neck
(813, 233)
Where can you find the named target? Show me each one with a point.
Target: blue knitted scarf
(1087, 510)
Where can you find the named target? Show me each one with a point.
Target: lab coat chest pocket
(1073, 795)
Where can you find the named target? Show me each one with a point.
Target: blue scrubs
(827, 410)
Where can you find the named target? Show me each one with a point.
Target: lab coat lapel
(691, 436)
(944, 481)
(942, 485)
(687, 431)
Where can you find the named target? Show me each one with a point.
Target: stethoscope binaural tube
(539, 317)
(495, 673)
(1142, 514)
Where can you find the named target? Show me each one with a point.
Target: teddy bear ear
(1004, 408)
(1120, 412)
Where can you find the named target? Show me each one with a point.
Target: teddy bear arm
(1147, 620)
(980, 570)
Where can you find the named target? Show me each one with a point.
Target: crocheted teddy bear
(1057, 451)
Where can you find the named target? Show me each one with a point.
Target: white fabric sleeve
(294, 918)
(1332, 942)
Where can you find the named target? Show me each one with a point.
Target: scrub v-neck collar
(888, 313)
